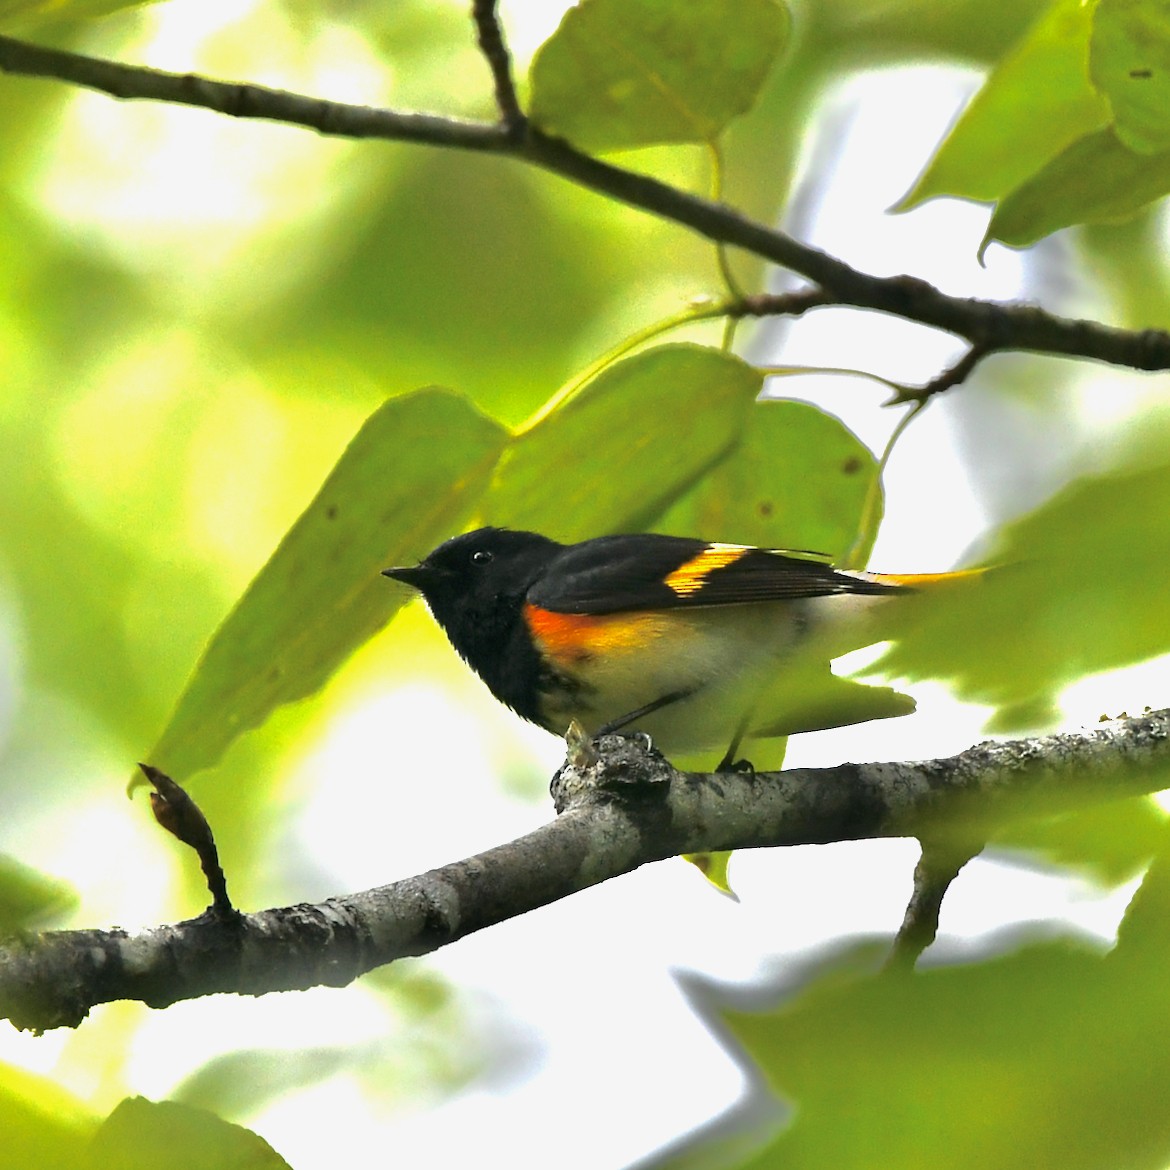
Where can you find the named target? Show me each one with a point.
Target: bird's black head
(475, 586)
(484, 562)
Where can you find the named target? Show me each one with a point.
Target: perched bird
(698, 645)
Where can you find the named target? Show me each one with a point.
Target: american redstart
(698, 645)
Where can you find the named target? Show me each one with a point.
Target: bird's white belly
(717, 657)
(760, 669)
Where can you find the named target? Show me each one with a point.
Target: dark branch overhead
(988, 325)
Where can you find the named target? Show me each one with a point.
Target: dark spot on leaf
(1141, 74)
(331, 512)
(851, 466)
(766, 507)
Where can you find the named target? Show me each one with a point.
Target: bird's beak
(416, 576)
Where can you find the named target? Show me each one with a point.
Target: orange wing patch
(692, 575)
(574, 638)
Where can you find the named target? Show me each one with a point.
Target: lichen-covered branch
(619, 807)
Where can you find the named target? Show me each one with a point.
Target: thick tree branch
(988, 326)
(619, 808)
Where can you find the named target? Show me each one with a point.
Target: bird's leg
(729, 763)
(632, 716)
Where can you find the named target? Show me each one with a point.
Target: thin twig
(938, 866)
(873, 505)
(177, 812)
(786, 304)
(952, 376)
(491, 44)
(242, 100)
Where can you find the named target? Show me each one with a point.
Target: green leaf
(144, 1135)
(1130, 64)
(1144, 933)
(714, 866)
(436, 1054)
(1036, 101)
(797, 479)
(628, 73)
(496, 273)
(1109, 843)
(59, 10)
(247, 1079)
(1095, 180)
(41, 1124)
(1074, 591)
(411, 477)
(608, 458)
(1052, 1057)
(30, 899)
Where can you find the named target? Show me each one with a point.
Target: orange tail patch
(925, 580)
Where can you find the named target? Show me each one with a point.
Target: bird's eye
(481, 557)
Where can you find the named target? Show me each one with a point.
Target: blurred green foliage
(1096, 179)
(142, 1135)
(42, 1124)
(23, 10)
(1035, 102)
(1069, 128)
(1048, 1058)
(222, 343)
(795, 470)
(1059, 603)
(1130, 65)
(29, 899)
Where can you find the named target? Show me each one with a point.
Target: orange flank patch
(571, 638)
(692, 575)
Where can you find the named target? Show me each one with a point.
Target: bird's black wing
(640, 572)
